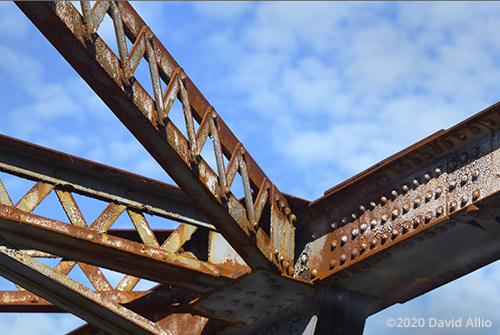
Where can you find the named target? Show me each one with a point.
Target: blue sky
(317, 92)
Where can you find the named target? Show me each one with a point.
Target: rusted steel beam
(260, 228)
(27, 302)
(71, 296)
(96, 180)
(25, 230)
(185, 324)
(408, 209)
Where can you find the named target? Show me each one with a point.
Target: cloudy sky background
(317, 92)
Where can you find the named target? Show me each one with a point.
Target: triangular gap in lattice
(51, 208)
(90, 208)
(161, 225)
(79, 276)
(15, 186)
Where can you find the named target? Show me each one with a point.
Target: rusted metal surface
(72, 296)
(269, 263)
(239, 222)
(366, 223)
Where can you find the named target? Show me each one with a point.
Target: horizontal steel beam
(98, 181)
(25, 230)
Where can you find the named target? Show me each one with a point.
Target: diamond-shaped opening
(51, 208)
(90, 208)
(79, 276)
(143, 75)
(107, 33)
(176, 116)
(15, 186)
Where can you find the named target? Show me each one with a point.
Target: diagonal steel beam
(27, 230)
(71, 296)
(260, 228)
(96, 180)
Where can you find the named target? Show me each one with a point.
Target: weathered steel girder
(267, 263)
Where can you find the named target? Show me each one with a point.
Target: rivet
(354, 253)
(373, 243)
(439, 211)
(416, 221)
(427, 177)
(363, 227)
(355, 232)
(406, 226)
(303, 258)
(372, 204)
(475, 152)
(255, 224)
(415, 182)
(439, 190)
(362, 208)
(453, 206)
(437, 171)
(394, 233)
(463, 179)
(383, 199)
(384, 237)
(314, 273)
(383, 218)
(428, 216)
(475, 195)
(276, 252)
(406, 207)
(394, 193)
(344, 220)
(463, 157)
(334, 244)
(373, 223)
(286, 264)
(343, 258)
(354, 216)
(405, 188)
(464, 200)
(395, 213)
(334, 225)
(363, 246)
(332, 263)
(343, 238)
(428, 196)
(453, 184)
(417, 202)
(475, 174)
(281, 258)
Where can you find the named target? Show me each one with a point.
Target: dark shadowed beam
(97, 180)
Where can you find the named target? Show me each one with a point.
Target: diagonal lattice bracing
(260, 227)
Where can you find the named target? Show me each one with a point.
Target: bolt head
(343, 238)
